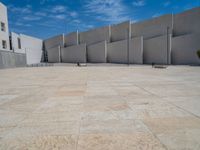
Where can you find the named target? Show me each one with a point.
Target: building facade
(4, 30)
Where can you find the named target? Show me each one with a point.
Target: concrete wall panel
(15, 46)
(136, 50)
(184, 49)
(95, 36)
(153, 28)
(117, 52)
(187, 22)
(74, 54)
(157, 50)
(11, 60)
(97, 53)
(54, 54)
(54, 41)
(71, 39)
(120, 31)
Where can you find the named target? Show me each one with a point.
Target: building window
(19, 43)
(4, 45)
(3, 27)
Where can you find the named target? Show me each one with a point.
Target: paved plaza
(100, 108)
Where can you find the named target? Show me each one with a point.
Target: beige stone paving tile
(190, 104)
(100, 91)
(44, 128)
(132, 90)
(135, 141)
(57, 106)
(97, 115)
(65, 99)
(112, 126)
(187, 139)
(4, 131)
(44, 142)
(51, 117)
(173, 90)
(173, 124)
(157, 110)
(11, 119)
(107, 106)
(6, 98)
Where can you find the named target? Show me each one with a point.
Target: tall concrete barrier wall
(120, 31)
(184, 49)
(187, 22)
(54, 41)
(117, 52)
(74, 54)
(152, 28)
(71, 39)
(96, 53)
(158, 50)
(95, 36)
(11, 60)
(54, 54)
(136, 50)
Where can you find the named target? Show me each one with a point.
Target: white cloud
(73, 14)
(31, 18)
(112, 11)
(40, 14)
(167, 3)
(58, 9)
(26, 9)
(139, 3)
(60, 16)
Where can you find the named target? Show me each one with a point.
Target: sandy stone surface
(112, 107)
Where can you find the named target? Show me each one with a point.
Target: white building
(4, 31)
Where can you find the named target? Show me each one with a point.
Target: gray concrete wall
(95, 35)
(11, 60)
(184, 49)
(71, 39)
(153, 28)
(33, 48)
(136, 50)
(120, 31)
(157, 50)
(74, 54)
(187, 22)
(54, 41)
(96, 53)
(4, 35)
(54, 54)
(117, 52)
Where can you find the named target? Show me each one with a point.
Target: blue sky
(45, 18)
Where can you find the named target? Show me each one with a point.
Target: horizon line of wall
(168, 39)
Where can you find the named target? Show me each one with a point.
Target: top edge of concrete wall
(121, 23)
(189, 10)
(151, 20)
